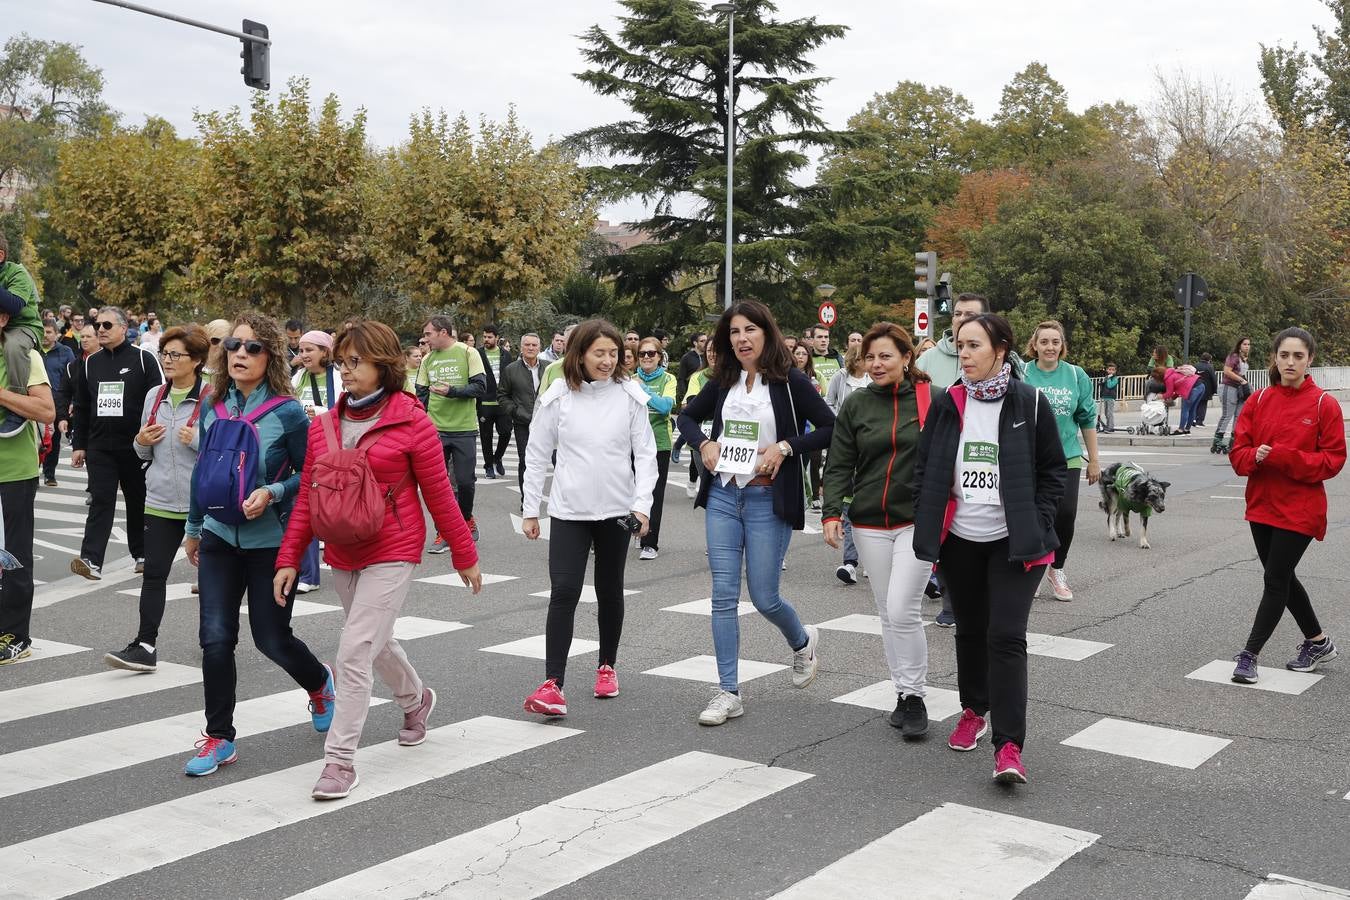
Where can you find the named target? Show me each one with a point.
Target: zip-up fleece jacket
(876, 439)
(138, 371)
(1306, 434)
(943, 364)
(281, 438)
(403, 448)
(168, 480)
(1032, 472)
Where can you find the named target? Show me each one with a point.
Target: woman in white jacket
(596, 420)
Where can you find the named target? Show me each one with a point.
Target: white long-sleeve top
(595, 429)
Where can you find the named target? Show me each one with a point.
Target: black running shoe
(914, 719)
(135, 658)
(12, 649)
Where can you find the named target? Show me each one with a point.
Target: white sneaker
(305, 587)
(647, 553)
(724, 705)
(804, 661)
(1059, 585)
(847, 573)
(691, 490)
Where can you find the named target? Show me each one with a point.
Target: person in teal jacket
(23, 334)
(660, 387)
(1069, 391)
(239, 560)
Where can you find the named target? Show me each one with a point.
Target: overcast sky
(395, 57)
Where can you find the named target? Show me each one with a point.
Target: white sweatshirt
(595, 430)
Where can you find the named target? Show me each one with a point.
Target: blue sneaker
(945, 619)
(212, 753)
(12, 425)
(321, 703)
(1245, 673)
(1310, 654)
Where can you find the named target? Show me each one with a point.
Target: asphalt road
(1144, 782)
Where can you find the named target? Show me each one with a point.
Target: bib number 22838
(978, 473)
(739, 447)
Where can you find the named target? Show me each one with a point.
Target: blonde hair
(1048, 324)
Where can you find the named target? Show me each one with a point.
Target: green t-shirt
(551, 374)
(18, 455)
(453, 368)
(825, 367)
(1069, 391)
(495, 361)
(176, 396)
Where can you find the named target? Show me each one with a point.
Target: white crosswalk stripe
(85, 690)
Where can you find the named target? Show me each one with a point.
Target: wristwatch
(785, 448)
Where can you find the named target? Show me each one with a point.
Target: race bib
(110, 394)
(977, 473)
(739, 447)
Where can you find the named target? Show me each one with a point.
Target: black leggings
(569, 546)
(163, 537)
(653, 536)
(1065, 516)
(1280, 552)
(991, 598)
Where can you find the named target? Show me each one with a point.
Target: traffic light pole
(183, 20)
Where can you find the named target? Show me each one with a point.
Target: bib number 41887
(739, 447)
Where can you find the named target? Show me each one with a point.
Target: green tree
(1034, 126)
(667, 63)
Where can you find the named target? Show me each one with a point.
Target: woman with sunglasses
(167, 441)
(238, 561)
(659, 385)
(317, 387)
(372, 577)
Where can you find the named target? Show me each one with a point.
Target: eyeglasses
(172, 356)
(106, 326)
(647, 354)
(350, 363)
(252, 348)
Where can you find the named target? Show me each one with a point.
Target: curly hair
(278, 375)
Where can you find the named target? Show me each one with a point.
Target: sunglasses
(646, 354)
(106, 326)
(252, 348)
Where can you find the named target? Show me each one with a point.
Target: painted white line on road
(44, 649)
(704, 607)
(59, 515)
(857, 623)
(73, 551)
(941, 702)
(409, 628)
(1281, 681)
(543, 526)
(1147, 742)
(1012, 853)
(453, 579)
(301, 608)
(1063, 647)
(587, 593)
(105, 850)
(704, 668)
(1224, 497)
(1283, 887)
(533, 647)
(180, 590)
(107, 751)
(558, 843)
(86, 690)
(73, 586)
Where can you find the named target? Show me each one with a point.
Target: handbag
(1244, 391)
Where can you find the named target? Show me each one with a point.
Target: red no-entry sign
(923, 323)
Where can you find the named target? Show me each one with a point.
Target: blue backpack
(227, 464)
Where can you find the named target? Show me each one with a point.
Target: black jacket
(789, 486)
(690, 363)
(1206, 372)
(138, 371)
(1032, 473)
(506, 358)
(516, 393)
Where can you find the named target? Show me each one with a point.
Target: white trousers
(898, 579)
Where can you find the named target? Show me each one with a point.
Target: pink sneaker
(606, 682)
(969, 729)
(335, 782)
(547, 700)
(414, 730)
(1008, 768)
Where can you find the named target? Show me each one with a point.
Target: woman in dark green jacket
(872, 453)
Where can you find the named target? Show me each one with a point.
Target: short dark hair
(491, 328)
(579, 343)
(815, 329)
(194, 340)
(999, 332)
(900, 337)
(659, 334)
(558, 332)
(376, 342)
(442, 323)
(295, 325)
(774, 359)
(967, 298)
(693, 338)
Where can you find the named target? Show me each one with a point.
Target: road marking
(453, 580)
(704, 607)
(86, 690)
(1283, 887)
(38, 542)
(543, 526)
(533, 647)
(102, 851)
(1063, 647)
(57, 515)
(1224, 497)
(704, 668)
(1147, 742)
(558, 843)
(1281, 681)
(1013, 853)
(941, 703)
(409, 628)
(44, 649)
(857, 623)
(180, 590)
(587, 593)
(301, 608)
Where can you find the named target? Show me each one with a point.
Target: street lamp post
(730, 10)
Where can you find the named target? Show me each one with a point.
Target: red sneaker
(547, 700)
(606, 682)
(1008, 768)
(969, 729)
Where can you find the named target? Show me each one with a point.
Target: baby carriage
(1152, 418)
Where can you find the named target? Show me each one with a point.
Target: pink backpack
(346, 501)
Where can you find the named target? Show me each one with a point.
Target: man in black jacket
(108, 394)
(1205, 369)
(491, 417)
(516, 394)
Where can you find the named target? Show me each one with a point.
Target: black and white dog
(1126, 488)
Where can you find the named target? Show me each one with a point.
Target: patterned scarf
(992, 388)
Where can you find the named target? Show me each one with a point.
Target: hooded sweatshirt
(943, 365)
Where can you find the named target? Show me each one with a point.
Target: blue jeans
(309, 563)
(226, 574)
(741, 525)
(1191, 404)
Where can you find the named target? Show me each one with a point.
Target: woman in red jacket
(1289, 439)
(372, 578)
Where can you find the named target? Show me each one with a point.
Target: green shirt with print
(452, 368)
(825, 367)
(495, 361)
(18, 455)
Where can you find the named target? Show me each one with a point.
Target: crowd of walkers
(258, 448)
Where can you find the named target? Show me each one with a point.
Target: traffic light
(257, 67)
(944, 294)
(925, 272)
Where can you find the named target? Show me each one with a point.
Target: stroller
(1153, 418)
